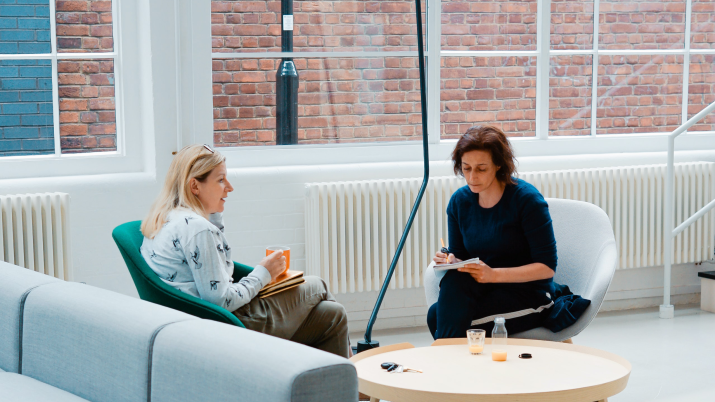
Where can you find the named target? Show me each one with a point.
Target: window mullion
(594, 64)
(543, 44)
(55, 84)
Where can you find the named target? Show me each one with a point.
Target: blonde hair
(192, 162)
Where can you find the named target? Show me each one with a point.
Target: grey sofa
(69, 342)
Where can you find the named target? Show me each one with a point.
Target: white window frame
(200, 104)
(128, 156)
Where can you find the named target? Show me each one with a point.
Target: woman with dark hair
(505, 222)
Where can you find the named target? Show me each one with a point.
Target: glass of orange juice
(475, 337)
(286, 252)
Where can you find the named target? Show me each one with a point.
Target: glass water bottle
(499, 332)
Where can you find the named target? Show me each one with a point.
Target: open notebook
(444, 267)
(284, 281)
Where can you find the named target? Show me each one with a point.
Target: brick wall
(25, 26)
(639, 94)
(499, 90)
(339, 100)
(254, 26)
(571, 24)
(489, 25)
(87, 108)
(570, 86)
(26, 107)
(702, 25)
(480, 90)
(701, 89)
(84, 25)
(642, 24)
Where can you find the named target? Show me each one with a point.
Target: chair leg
(571, 342)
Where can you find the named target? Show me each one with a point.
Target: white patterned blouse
(192, 255)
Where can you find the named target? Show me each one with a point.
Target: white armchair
(587, 259)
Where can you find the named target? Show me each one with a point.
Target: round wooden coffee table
(556, 372)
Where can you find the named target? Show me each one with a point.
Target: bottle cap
(525, 356)
(499, 320)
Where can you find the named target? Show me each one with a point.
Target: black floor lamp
(368, 342)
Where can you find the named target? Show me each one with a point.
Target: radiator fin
(34, 233)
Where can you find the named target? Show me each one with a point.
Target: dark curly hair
(491, 139)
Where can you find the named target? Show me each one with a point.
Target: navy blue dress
(515, 232)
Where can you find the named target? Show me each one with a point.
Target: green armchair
(151, 288)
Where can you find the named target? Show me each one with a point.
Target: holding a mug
(184, 244)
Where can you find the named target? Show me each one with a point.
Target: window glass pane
(84, 26)
(570, 86)
(571, 24)
(639, 94)
(25, 26)
(701, 89)
(26, 107)
(488, 90)
(339, 101)
(87, 107)
(488, 25)
(702, 25)
(641, 24)
(319, 26)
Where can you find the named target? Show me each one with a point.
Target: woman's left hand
(481, 272)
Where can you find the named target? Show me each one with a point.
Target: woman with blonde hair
(184, 244)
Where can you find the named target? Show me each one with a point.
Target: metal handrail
(666, 309)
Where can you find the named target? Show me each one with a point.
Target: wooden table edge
(586, 394)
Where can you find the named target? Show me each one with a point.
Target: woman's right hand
(442, 258)
(275, 263)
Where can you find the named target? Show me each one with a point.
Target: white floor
(673, 360)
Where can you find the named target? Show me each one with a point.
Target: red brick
(71, 5)
(73, 129)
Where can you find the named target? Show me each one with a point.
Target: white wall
(267, 206)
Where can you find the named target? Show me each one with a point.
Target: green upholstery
(129, 239)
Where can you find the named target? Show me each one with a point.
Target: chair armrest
(240, 271)
(205, 361)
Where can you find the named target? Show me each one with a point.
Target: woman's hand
(275, 263)
(442, 258)
(481, 272)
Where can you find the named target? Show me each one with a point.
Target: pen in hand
(445, 250)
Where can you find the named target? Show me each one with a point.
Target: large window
(578, 68)
(57, 82)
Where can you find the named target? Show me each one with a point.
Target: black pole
(286, 83)
(368, 343)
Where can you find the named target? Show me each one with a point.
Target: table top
(556, 372)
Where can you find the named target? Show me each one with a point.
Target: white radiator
(34, 233)
(352, 228)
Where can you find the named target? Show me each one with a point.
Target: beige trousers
(306, 314)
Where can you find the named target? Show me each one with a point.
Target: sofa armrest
(209, 361)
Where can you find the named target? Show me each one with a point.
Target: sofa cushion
(20, 388)
(210, 361)
(15, 282)
(91, 342)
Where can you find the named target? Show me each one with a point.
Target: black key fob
(387, 365)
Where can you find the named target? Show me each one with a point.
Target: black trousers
(464, 303)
